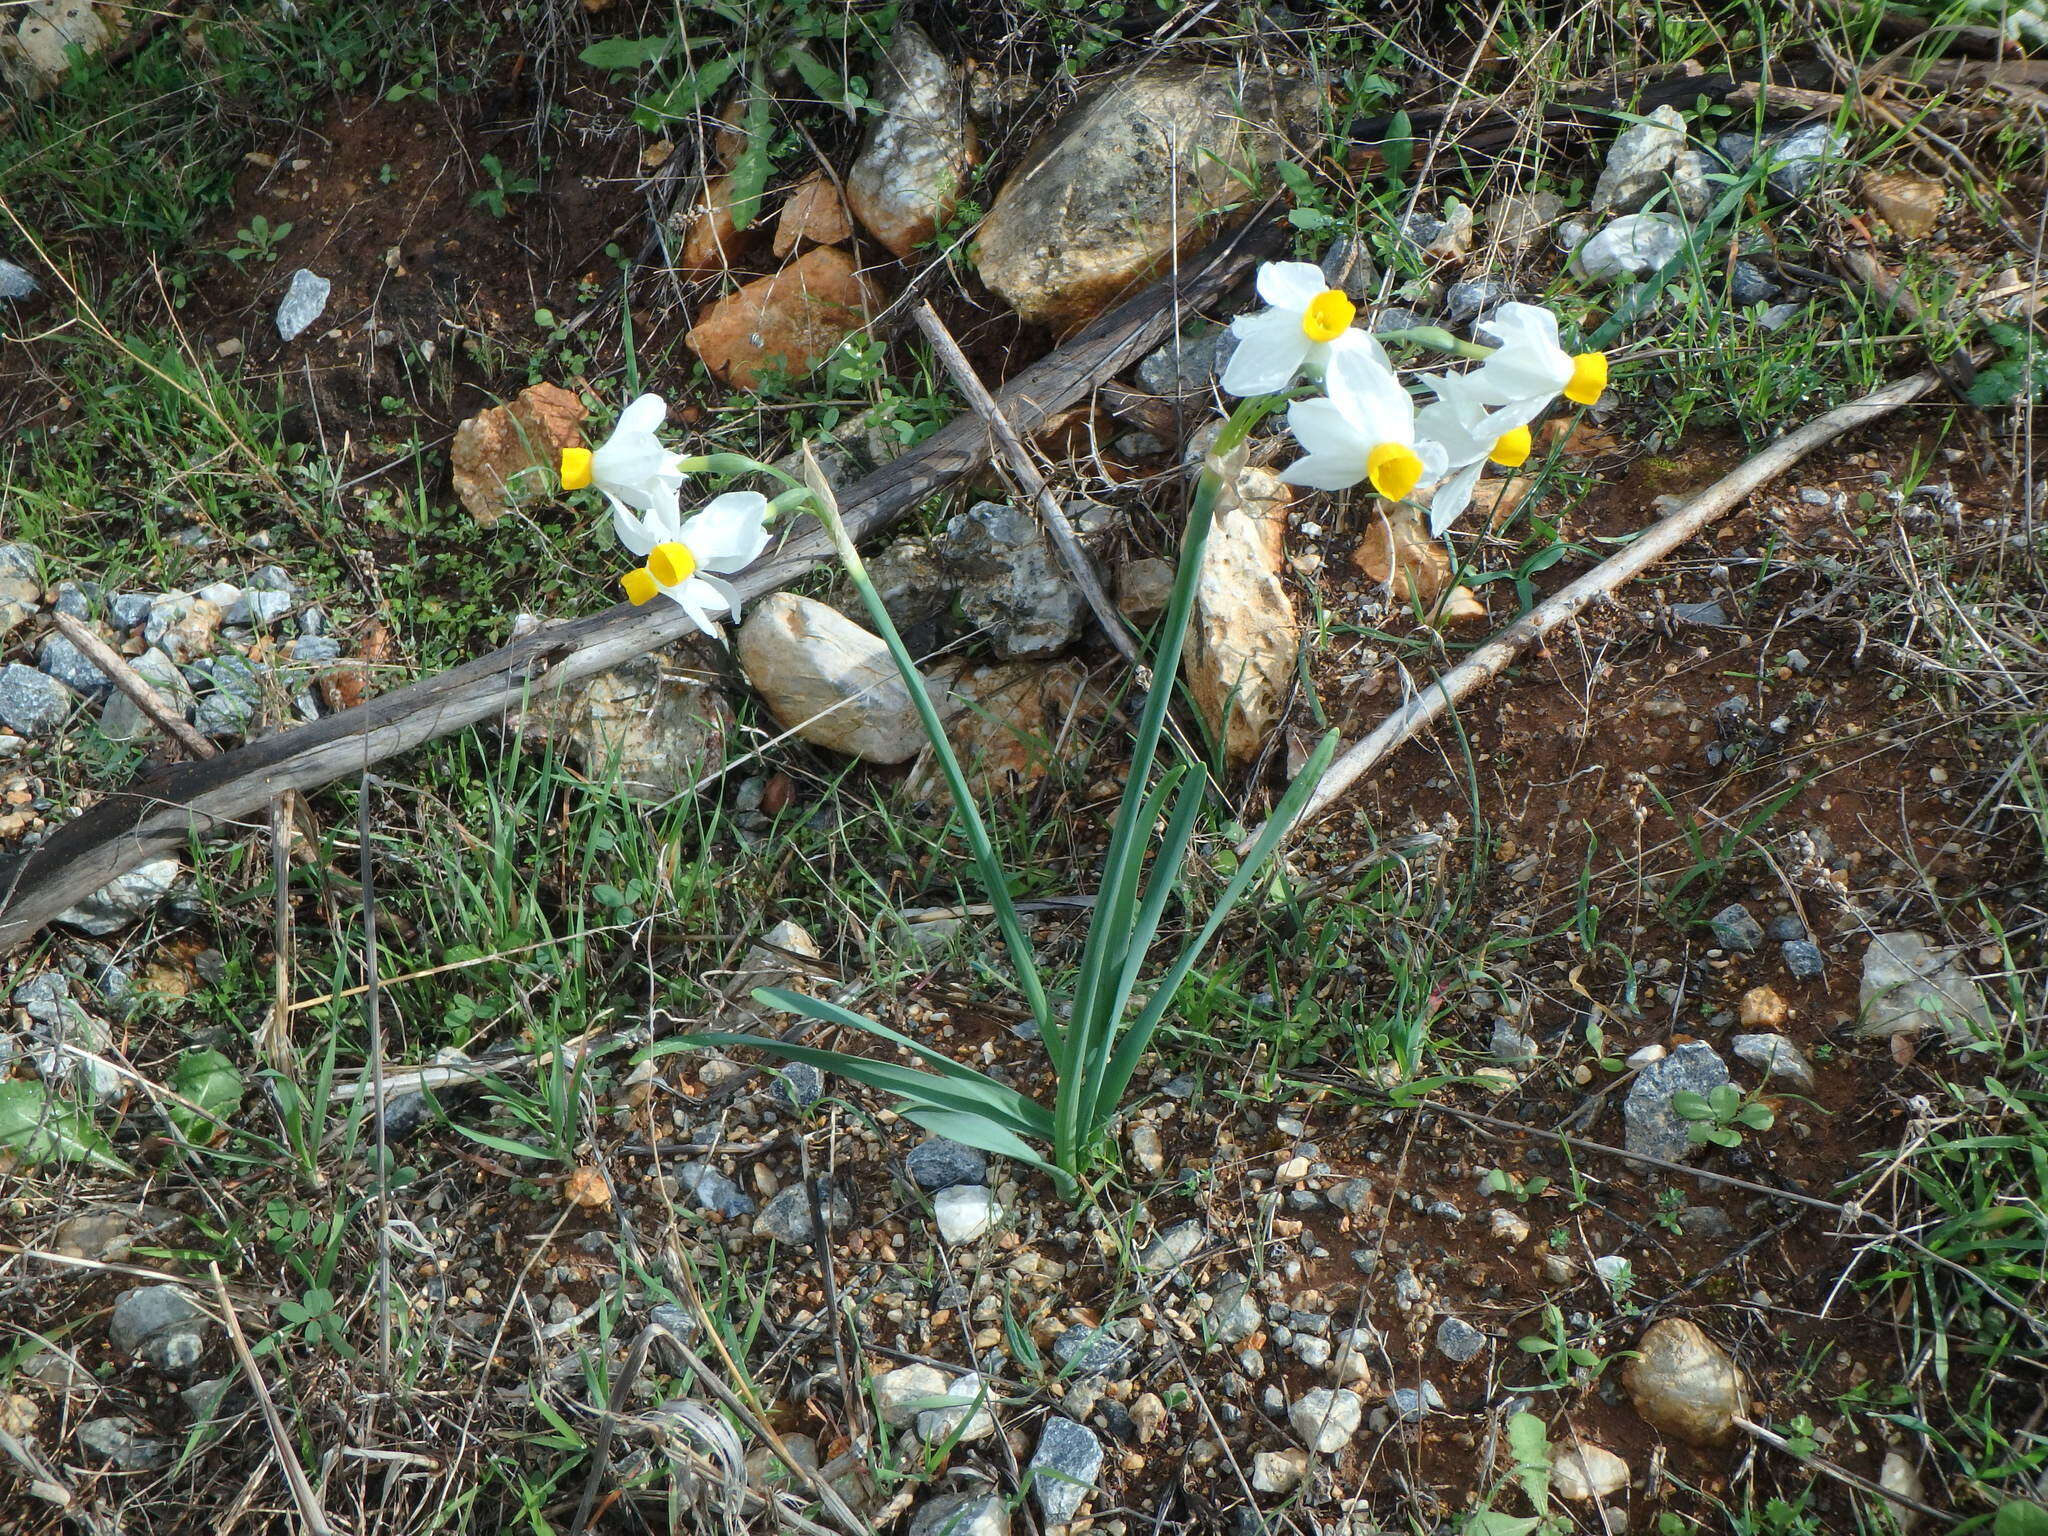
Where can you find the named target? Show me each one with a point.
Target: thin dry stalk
(294, 1474)
(161, 712)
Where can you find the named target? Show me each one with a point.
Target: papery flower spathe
(1470, 436)
(1309, 321)
(631, 467)
(1530, 369)
(686, 558)
(1363, 430)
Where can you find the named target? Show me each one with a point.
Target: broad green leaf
(39, 1127)
(2019, 1518)
(1490, 1523)
(825, 82)
(983, 1135)
(627, 53)
(1529, 1442)
(1688, 1105)
(1757, 1117)
(686, 95)
(749, 175)
(213, 1085)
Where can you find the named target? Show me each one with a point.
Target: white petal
(1270, 349)
(1434, 461)
(1326, 471)
(633, 533)
(642, 417)
(1444, 423)
(728, 534)
(1453, 497)
(1322, 427)
(727, 592)
(1371, 396)
(1291, 284)
(699, 602)
(1529, 325)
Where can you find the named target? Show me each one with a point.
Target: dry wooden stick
(1018, 457)
(162, 713)
(294, 1474)
(1658, 540)
(1842, 1475)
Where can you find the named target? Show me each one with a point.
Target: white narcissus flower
(1363, 430)
(686, 558)
(1470, 436)
(631, 467)
(1530, 369)
(1309, 321)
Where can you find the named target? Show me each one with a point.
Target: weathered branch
(159, 812)
(1653, 544)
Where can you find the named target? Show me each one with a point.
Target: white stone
(964, 1212)
(904, 1393)
(304, 301)
(1278, 1471)
(1634, 245)
(1243, 638)
(1638, 162)
(1909, 983)
(827, 680)
(1588, 1472)
(907, 179)
(1326, 1418)
(968, 1421)
(1776, 1057)
(120, 901)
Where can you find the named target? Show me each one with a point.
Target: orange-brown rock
(711, 237)
(815, 212)
(505, 454)
(786, 324)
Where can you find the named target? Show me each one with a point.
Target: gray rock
(1394, 318)
(1458, 1340)
(787, 1217)
(121, 901)
(1234, 1313)
(222, 594)
(1784, 928)
(1136, 169)
(1748, 285)
(961, 1514)
(1409, 1291)
(1909, 983)
(76, 1053)
(66, 662)
(1085, 1351)
(1778, 316)
(77, 599)
(1443, 1210)
(1700, 615)
(258, 605)
(966, 1419)
(1188, 364)
(638, 725)
(1474, 298)
(1708, 1221)
(916, 589)
(676, 1320)
(1653, 1126)
(1638, 162)
(121, 720)
(1173, 1247)
(16, 282)
(45, 998)
(1412, 1403)
(1348, 267)
(32, 702)
(1326, 1418)
(304, 301)
(181, 625)
(1776, 1057)
(1634, 245)
(1352, 1197)
(175, 1351)
(272, 578)
(1510, 1047)
(1802, 158)
(707, 1188)
(127, 609)
(146, 1311)
(908, 176)
(406, 1114)
(1733, 928)
(119, 1442)
(203, 1399)
(1062, 1471)
(314, 649)
(1804, 959)
(938, 1163)
(1519, 219)
(798, 1085)
(1012, 585)
(1691, 190)
(21, 562)
(230, 690)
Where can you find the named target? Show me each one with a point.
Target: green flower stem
(734, 464)
(1441, 340)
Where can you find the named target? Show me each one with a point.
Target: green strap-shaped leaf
(984, 1135)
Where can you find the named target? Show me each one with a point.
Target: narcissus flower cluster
(1365, 427)
(687, 558)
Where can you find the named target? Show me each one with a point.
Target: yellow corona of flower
(1530, 369)
(688, 559)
